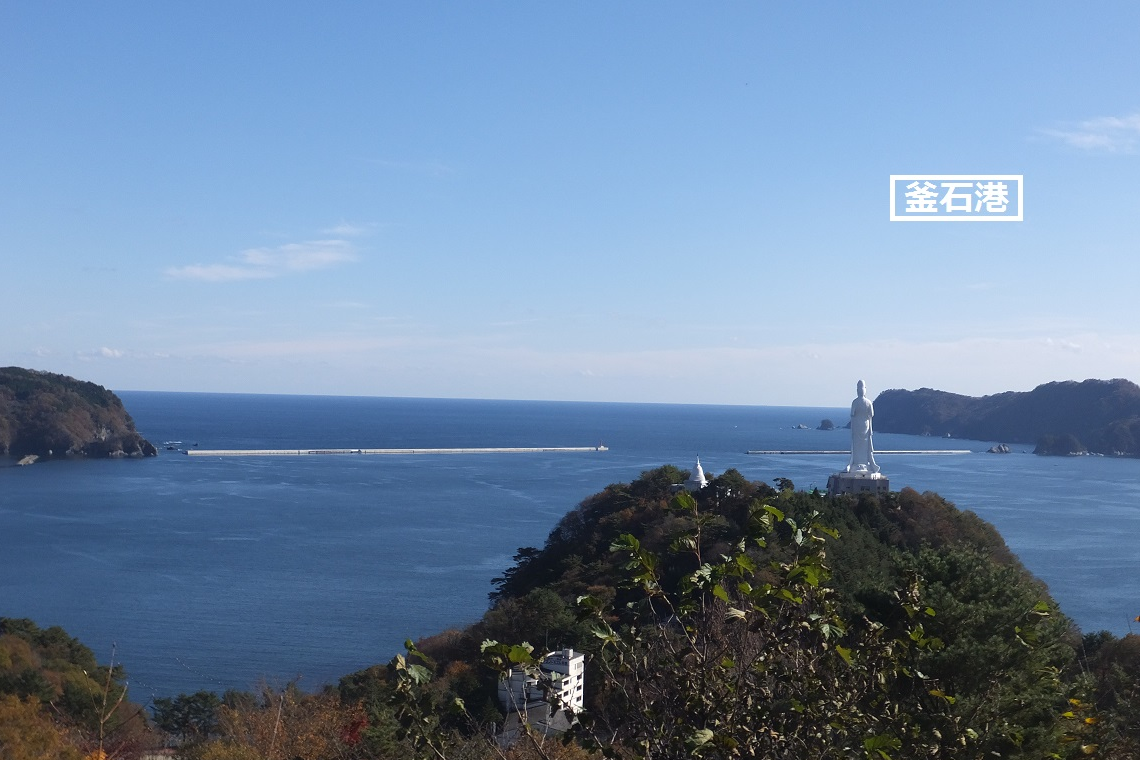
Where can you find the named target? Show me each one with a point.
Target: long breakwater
(848, 451)
(320, 452)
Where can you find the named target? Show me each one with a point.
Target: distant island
(1060, 418)
(46, 415)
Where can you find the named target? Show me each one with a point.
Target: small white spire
(697, 478)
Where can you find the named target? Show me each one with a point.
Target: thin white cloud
(344, 229)
(1106, 134)
(268, 263)
(1063, 344)
(300, 257)
(218, 273)
(104, 352)
(119, 354)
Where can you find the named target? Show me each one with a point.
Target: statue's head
(861, 388)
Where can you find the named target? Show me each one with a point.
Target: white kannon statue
(862, 451)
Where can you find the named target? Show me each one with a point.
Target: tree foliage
(1109, 718)
(49, 668)
(749, 658)
(998, 619)
(28, 733)
(190, 717)
(52, 415)
(281, 724)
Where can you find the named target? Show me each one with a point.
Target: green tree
(1007, 647)
(752, 660)
(190, 717)
(55, 668)
(1111, 721)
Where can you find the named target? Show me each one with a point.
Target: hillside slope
(52, 415)
(1101, 416)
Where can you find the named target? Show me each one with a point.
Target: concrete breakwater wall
(315, 452)
(877, 452)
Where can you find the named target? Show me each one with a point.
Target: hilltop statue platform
(857, 482)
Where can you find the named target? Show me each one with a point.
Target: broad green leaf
(700, 737)
(790, 596)
(683, 501)
(881, 743)
(419, 673)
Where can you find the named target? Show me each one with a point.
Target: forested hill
(54, 415)
(1101, 416)
(713, 622)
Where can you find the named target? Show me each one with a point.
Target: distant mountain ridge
(48, 415)
(1100, 416)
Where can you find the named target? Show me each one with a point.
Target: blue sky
(584, 201)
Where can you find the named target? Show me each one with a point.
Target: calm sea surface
(210, 573)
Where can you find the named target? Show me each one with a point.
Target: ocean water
(212, 573)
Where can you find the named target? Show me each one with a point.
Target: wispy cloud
(117, 354)
(1063, 344)
(218, 273)
(1106, 134)
(103, 352)
(345, 229)
(268, 263)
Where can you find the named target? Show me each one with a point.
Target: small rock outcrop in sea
(826, 425)
(1001, 448)
(52, 416)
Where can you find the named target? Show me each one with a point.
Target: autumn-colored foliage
(53, 415)
(28, 733)
(287, 724)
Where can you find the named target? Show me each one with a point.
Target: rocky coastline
(1059, 419)
(49, 416)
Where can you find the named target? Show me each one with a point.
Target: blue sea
(215, 573)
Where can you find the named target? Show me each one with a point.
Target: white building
(697, 479)
(564, 674)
